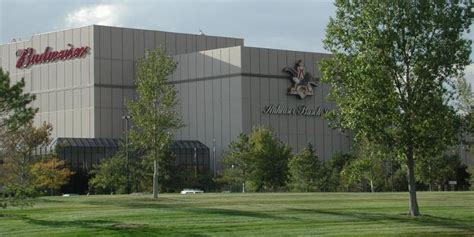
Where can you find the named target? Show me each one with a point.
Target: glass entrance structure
(192, 156)
(84, 153)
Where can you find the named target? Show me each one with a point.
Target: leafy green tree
(465, 105)
(237, 162)
(442, 169)
(17, 195)
(153, 112)
(260, 160)
(305, 171)
(392, 64)
(269, 159)
(14, 110)
(367, 167)
(374, 166)
(332, 179)
(110, 175)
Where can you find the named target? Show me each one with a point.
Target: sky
(292, 24)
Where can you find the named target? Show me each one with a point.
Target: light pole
(214, 157)
(126, 118)
(195, 162)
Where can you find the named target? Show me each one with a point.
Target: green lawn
(270, 214)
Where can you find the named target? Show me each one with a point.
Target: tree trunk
(414, 211)
(243, 187)
(155, 179)
(372, 188)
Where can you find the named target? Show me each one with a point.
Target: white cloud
(469, 74)
(105, 14)
(469, 69)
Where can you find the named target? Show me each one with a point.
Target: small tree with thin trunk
(392, 68)
(368, 167)
(237, 162)
(153, 112)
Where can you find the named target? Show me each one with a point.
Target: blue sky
(294, 25)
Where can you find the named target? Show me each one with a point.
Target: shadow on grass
(424, 220)
(189, 207)
(106, 226)
(206, 211)
(138, 203)
(48, 200)
(193, 209)
(235, 213)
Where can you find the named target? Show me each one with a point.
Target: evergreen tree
(14, 110)
(305, 171)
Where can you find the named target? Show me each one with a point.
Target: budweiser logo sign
(28, 56)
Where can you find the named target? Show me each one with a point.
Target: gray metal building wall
(117, 51)
(264, 83)
(64, 89)
(84, 98)
(209, 90)
(224, 91)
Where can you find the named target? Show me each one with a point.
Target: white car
(191, 191)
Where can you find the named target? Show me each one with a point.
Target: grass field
(261, 214)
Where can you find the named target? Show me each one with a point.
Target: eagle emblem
(302, 81)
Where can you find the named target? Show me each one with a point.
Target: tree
(269, 160)
(368, 166)
(153, 112)
(16, 195)
(18, 138)
(237, 160)
(465, 103)
(465, 99)
(14, 110)
(110, 175)
(15, 173)
(392, 65)
(305, 171)
(18, 147)
(50, 174)
(442, 169)
(331, 177)
(259, 159)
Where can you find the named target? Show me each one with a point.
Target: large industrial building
(82, 76)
